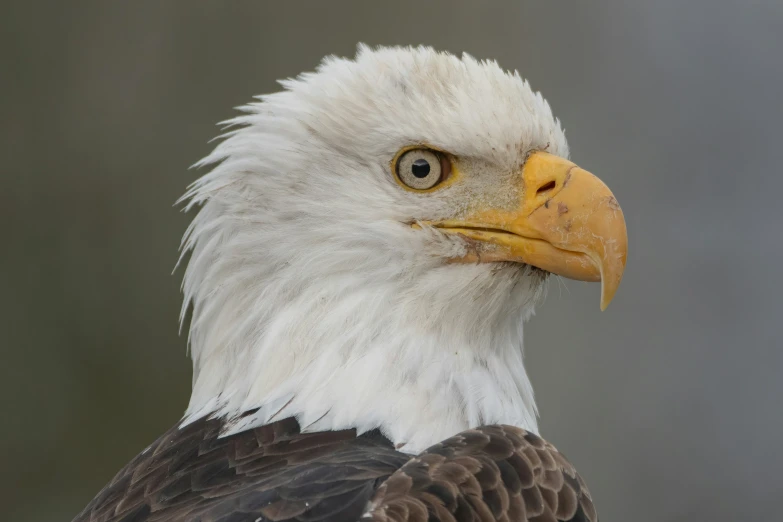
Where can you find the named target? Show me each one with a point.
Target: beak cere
(567, 222)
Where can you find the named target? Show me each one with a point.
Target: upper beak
(566, 222)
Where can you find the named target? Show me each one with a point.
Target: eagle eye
(421, 169)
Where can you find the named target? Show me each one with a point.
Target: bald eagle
(368, 244)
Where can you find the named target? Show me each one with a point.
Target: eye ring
(421, 169)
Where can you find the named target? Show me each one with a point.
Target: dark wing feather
(275, 473)
(272, 473)
(492, 473)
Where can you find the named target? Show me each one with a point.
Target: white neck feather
(421, 354)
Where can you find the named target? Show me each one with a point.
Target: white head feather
(312, 296)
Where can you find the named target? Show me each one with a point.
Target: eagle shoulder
(491, 473)
(270, 473)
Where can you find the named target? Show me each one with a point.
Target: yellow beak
(567, 222)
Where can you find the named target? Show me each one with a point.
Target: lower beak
(567, 222)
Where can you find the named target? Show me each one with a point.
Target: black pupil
(420, 168)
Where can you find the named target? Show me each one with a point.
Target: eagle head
(371, 239)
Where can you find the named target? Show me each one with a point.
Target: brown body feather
(276, 473)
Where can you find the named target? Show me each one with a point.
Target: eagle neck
(408, 357)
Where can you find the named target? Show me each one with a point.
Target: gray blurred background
(669, 403)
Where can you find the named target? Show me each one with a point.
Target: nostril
(546, 187)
